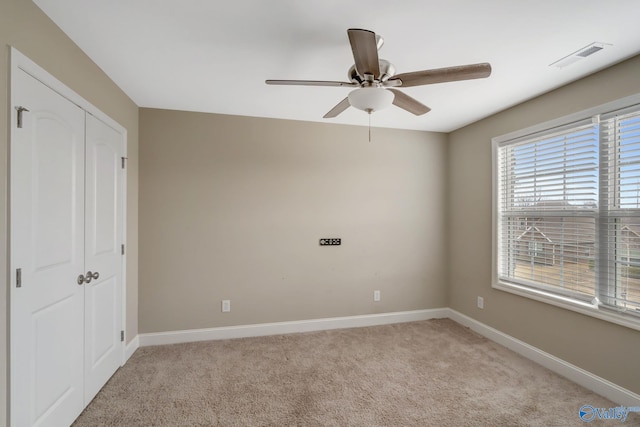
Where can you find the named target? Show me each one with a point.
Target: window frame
(540, 294)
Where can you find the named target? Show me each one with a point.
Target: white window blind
(568, 211)
(548, 201)
(620, 230)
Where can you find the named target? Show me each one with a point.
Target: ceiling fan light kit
(370, 99)
(374, 78)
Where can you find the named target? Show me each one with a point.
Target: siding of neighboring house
(550, 241)
(553, 240)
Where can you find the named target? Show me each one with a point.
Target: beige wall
(25, 27)
(602, 348)
(233, 208)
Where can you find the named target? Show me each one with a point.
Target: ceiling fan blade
(408, 103)
(441, 75)
(365, 51)
(342, 105)
(310, 83)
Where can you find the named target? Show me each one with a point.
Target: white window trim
(575, 305)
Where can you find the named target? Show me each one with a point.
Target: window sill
(629, 321)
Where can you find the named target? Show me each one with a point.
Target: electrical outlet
(226, 305)
(480, 302)
(376, 296)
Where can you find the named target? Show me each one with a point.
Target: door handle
(89, 276)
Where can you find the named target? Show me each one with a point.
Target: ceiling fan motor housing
(386, 70)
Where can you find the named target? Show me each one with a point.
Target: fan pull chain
(369, 126)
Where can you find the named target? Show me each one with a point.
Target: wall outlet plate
(226, 305)
(376, 296)
(480, 302)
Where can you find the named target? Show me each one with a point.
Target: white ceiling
(214, 56)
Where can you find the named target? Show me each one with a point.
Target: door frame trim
(20, 62)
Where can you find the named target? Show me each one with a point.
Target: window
(536, 249)
(567, 211)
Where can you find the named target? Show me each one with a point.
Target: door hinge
(122, 336)
(122, 249)
(123, 161)
(21, 110)
(18, 278)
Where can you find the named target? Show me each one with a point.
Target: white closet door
(47, 245)
(103, 239)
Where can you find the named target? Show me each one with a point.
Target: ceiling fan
(375, 79)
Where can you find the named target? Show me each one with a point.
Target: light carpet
(428, 373)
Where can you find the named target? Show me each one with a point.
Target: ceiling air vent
(579, 54)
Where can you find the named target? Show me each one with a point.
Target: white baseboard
(598, 385)
(264, 329)
(131, 348)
